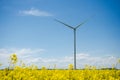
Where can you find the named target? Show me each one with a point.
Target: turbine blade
(81, 23)
(84, 22)
(64, 24)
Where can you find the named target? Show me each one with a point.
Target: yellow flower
(14, 58)
(32, 73)
(70, 67)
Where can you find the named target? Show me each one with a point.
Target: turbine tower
(74, 30)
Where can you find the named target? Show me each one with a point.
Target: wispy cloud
(30, 56)
(22, 54)
(82, 60)
(35, 12)
(23, 51)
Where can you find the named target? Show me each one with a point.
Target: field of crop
(22, 72)
(44, 74)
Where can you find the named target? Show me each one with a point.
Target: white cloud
(25, 52)
(22, 54)
(82, 56)
(35, 12)
(82, 60)
(30, 56)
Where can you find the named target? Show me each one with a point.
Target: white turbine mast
(74, 30)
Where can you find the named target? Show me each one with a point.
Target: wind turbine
(74, 30)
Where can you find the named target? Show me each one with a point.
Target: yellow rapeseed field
(32, 73)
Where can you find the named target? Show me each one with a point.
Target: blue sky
(27, 28)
